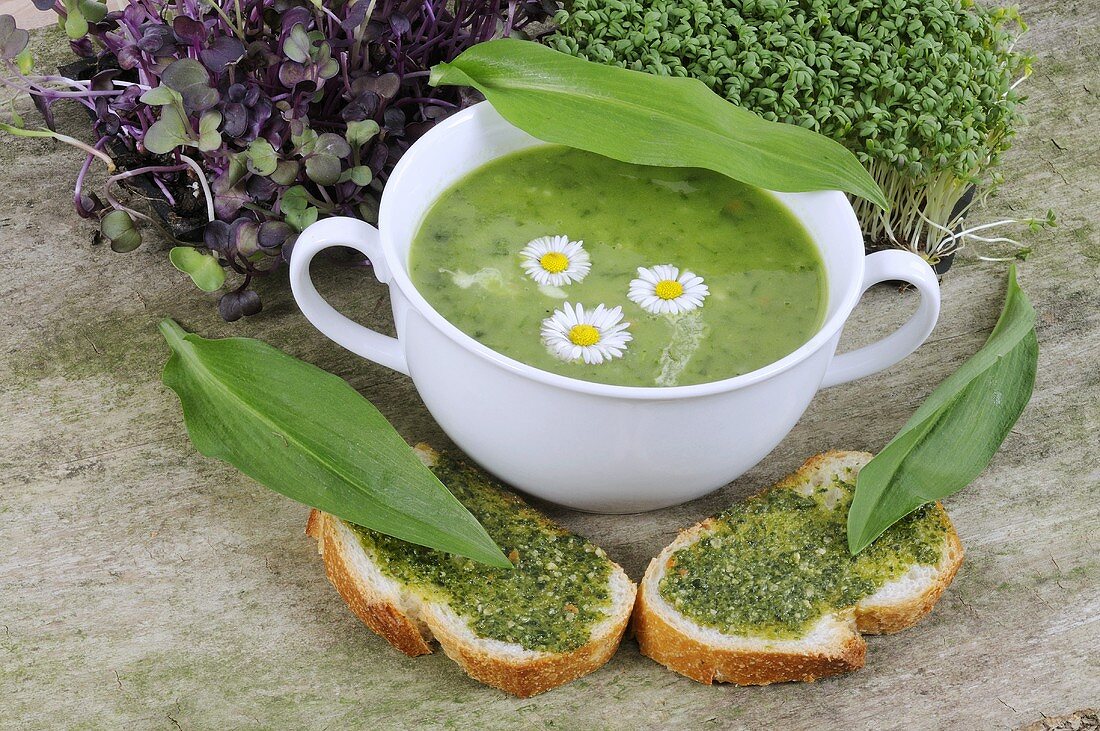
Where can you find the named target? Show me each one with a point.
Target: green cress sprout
(922, 91)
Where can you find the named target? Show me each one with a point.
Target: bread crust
(377, 612)
(520, 672)
(885, 618)
(662, 636)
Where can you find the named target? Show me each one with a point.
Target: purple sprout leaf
(12, 40)
(261, 157)
(399, 24)
(356, 15)
(384, 85)
(43, 5)
(273, 234)
(361, 132)
(323, 169)
(168, 132)
(216, 234)
(292, 73)
(394, 120)
(235, 116)
(155, 38)
(361, 175)
(118, 228)
(286, 172)
(204, 269)
(76, 26)
(209, 137)
(104, 80)
(188, 30)
(161, 96)
(361, 107)
(244, 237)
(331, 144)
(261, 188)
(191, 79)
(298, 46)
(93, 10)
(229, 202)
(128, 57)
(222, 52)
(240, 303)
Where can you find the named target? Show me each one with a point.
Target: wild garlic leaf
(956, 431)
(650, 120)
(308, 435)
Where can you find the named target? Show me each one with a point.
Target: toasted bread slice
(410, 617)
(829, 645)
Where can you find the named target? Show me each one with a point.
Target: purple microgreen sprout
(251, 118)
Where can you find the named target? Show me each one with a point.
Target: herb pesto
(776, 563)
(557, 592)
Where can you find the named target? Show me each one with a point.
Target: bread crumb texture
(773, 565)
(558, 591)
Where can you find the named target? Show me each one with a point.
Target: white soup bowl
(591, 446)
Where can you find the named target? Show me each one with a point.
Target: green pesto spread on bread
(558, 591)
(773, 565)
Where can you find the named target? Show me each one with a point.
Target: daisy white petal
(555, 261)
(664, 290)
(593, 336)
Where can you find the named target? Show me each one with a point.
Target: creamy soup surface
(474, 261)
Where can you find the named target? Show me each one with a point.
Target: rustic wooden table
(143, 586)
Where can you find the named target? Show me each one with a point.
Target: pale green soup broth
(767, 284)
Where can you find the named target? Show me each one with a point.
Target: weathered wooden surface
(142, 586)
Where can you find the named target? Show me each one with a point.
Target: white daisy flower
(555, 260)
(594, 336)
(663, 290)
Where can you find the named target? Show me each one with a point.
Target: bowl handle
(883, 266)
(361, 236)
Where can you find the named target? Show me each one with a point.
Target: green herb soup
(765, 284)
(776, 563)
(557, 592)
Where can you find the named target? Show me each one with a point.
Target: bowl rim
(397, 269)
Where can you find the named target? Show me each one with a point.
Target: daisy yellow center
(554, 262)
(668, 289)
(584, 335)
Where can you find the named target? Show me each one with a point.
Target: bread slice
(411, 617)
(831, 645)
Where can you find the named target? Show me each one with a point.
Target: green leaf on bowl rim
(645, 119)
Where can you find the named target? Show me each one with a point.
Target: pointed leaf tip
(308, 435)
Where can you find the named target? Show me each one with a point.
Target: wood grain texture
(142, 586)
